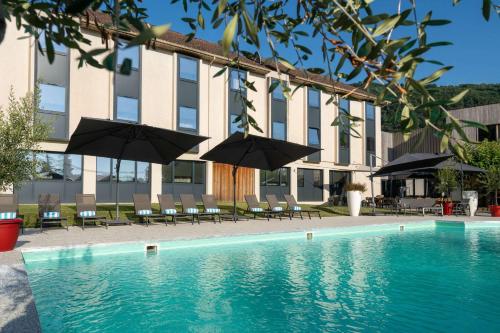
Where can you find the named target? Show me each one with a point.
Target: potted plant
(446, 181)
(21, 131)
(491, 183)
(354, 197)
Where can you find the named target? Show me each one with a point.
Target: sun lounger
(189, 207)
(168, 209)
(275, 207)
(406, 205)
(210, 206)
(253, 207)
(49, 211)
(9, 208)
(294, 208)
(143, 210)
(86, 210)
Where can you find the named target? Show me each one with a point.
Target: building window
(279, 130)
(278, 92)
(317, 179)
(127, 109)
(300, 177)
(49, 166)
(103, 169)
(73, 168)
(184, 172)
(370, 132)
(313, 98)
(167, 173)
(58, 48)
(127, 171)
(188, 69)
(130, 171)
(236, 104)
(234, 124)
(491, 134)
(58, 166)
(278, 177)
(143, 172)
(52, 98)
(344, 132)
(237, 79)
(187, 118)
(313, 136)
(131, 53)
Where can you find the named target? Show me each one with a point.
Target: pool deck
(17, 307)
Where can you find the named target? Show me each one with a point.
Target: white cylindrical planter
(472, 196)
(354, 202)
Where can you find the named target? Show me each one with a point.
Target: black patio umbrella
(127, 141)
(255, 152)
(410, 162)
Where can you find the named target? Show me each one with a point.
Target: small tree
(491, 182)
(446, 180)
(21, 131)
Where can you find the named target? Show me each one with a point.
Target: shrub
(355, 187)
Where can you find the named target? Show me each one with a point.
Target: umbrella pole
(118, 162)
(235, 170)
(371, 183)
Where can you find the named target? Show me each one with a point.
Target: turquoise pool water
(434, 279)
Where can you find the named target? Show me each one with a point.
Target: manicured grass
(29, 212)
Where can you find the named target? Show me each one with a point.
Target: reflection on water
(439, 280)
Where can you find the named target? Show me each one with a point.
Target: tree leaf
(458, 97)
(486, 9)
(219, 73)
(386, 25)
(227, 37)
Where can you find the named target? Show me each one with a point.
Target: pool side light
(309, 235)
(151, 248)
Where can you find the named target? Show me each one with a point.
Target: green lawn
(29, 212)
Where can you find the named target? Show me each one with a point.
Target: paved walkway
(17, 308)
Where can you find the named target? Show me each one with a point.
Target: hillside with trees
(479, 94)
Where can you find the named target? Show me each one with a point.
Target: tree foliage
(446, 180)
(486, 155)
(355, 41)
(20, 133)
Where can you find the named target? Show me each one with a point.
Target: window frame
(65, 99)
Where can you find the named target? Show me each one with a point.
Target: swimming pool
(443, 278)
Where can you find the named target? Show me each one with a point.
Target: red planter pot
(9, 231)
(495, 210)
(447, 208)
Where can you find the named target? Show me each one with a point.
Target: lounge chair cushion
(171, 211)
(8, 215)
(256, 209)
(51, 215)
(213, 210)
(277, 209)
(144, 212)
(87, 213)
(192, 210)
(296, 208)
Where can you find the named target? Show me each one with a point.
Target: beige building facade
(158, 90)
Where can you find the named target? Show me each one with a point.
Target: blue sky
(475, 52)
